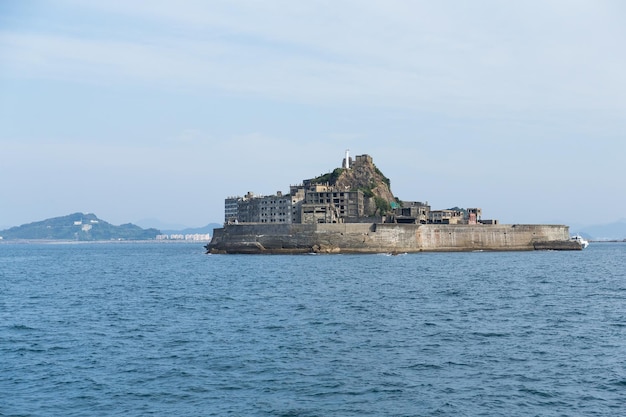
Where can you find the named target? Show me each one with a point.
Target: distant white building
(192, 237)
(198, 237)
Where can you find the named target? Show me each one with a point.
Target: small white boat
(578, 238)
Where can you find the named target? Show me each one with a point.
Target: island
(352, 210)
(78, 227)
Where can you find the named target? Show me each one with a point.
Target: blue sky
(158, 109)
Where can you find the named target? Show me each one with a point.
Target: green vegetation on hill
(382, 206)
(330, 178)
(78, 226)
(382, 177)
(456, 208)
(364, 176)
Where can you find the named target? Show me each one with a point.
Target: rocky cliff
(365, 176)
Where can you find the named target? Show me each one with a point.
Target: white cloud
(459, 57)
(433, 91)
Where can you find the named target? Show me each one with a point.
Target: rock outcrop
(365, 176)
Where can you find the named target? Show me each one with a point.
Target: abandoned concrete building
(314, 202)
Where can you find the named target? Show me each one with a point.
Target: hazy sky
(161, 109)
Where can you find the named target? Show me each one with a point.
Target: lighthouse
(347, 160)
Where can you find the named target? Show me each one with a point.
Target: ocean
(136, 329)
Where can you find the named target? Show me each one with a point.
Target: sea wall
(386, 237)
(491, 237)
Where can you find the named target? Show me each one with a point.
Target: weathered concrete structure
(352, 210)
(387, 237)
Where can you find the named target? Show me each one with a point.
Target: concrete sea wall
(386, 237)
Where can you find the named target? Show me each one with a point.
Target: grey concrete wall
(489, 237)
(376, 238)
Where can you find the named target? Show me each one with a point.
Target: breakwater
(387, 237)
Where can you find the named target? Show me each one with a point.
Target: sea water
(163, 329)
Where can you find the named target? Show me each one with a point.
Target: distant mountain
(610, 231)
(78, 226)
(192, 230)
(158, 224)
(174, 228)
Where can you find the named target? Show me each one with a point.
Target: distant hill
(78, 226)
(152, 222)
(192, 230)
(610, 231)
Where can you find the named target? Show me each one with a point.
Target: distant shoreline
(81, 242)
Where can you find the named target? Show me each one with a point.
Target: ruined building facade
(312, 202)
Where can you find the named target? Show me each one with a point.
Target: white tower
(347, 158)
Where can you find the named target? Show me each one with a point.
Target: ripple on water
(162, 329)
